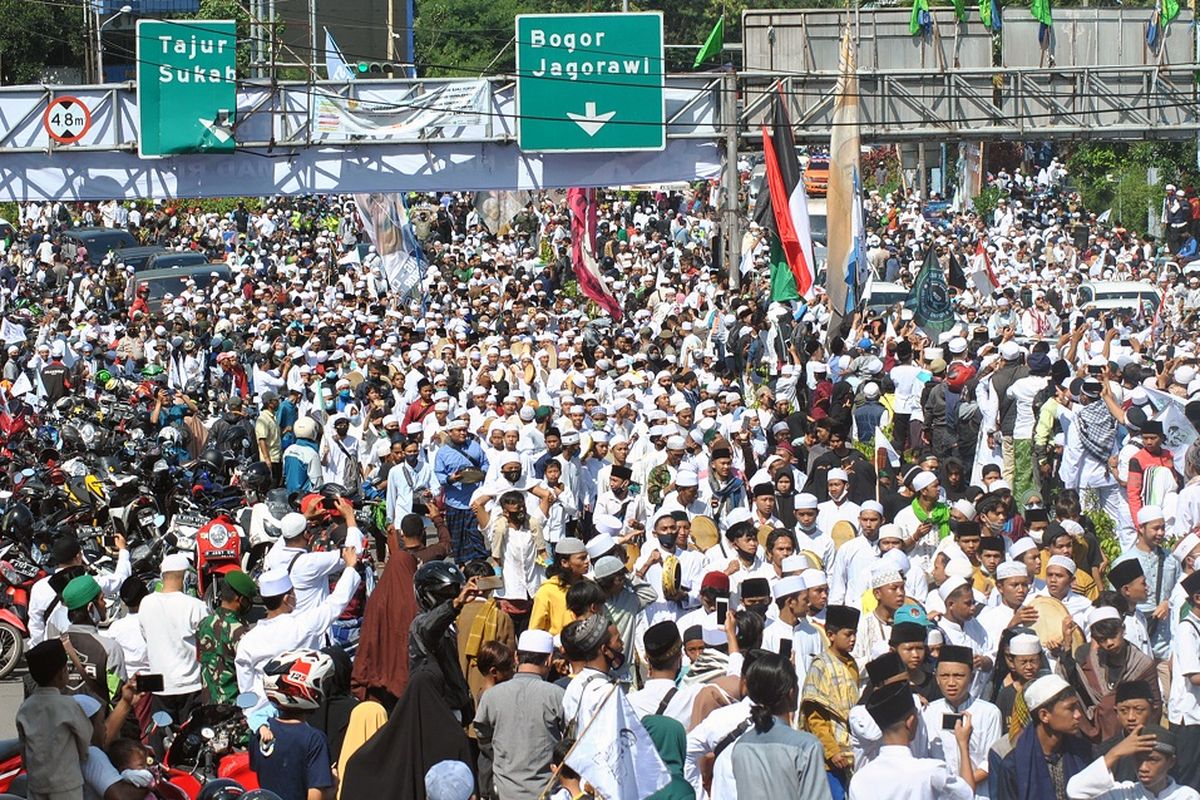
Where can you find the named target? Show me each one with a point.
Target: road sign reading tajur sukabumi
(590, 82)
(186, 86)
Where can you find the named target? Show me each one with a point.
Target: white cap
(884, 574)
(292, 525)
(1101, 613)
(535, 641)
(965, 507)
(686, 477)
(950, 585)
(1061, 561)
(1043, 690)
(872, 505)
(175, 562)
(1011, 569)
(607, 524)
(274, 582)
(837, 474)
(805, 501)
(736, 516)
(812, 577)
(675, 443)
(793, 584)
(1024, 644)
(1186, 545)
(795, 563)
(600, 544)
(1148, 514)
(456, 425)
(1010, 351)
(890, 531)
(897, 560)
(923, 480)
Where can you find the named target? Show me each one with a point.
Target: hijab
(333, 717)
(671, 742)
(381, 663)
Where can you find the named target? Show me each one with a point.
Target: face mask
(412, 460)
(511, 477)
(995, 526)
(758, 608)
(615, 660)
(667, 543)
(344, 393)
(94, 613)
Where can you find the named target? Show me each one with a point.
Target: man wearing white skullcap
(856, 555)
(1162, 573)
(1060, 572)
(839, 507)
(1012, 587)
(959, 626)
(925, 522)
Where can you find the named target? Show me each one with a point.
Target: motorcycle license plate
(213, 555)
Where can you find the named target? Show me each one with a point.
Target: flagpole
(546, 791)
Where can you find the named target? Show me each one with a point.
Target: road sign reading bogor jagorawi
(590, 82)
(186, 86)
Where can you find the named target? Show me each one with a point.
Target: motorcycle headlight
(87, 433)
(218, 535)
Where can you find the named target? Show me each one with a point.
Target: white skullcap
(1011, 569)
(805, 502)
(837, 474)
(1043, 690)
(923, 480)
(274, 582)
(965, 507)
(1022, 546)
(175, 562)
(950, 585)
(535, 641)
(883, 573)
(890, 531)
(795, 563)
(1186, 545)
(1148, 514)
(675, 443)
(959, 567)
(599, 544)
(793, 584)
(934, 638)
(1102, 613)
(897, 559)
(608, 524)
(1062, 561)
(812, 577)
(685, 478)
(736, 516)
(872, 505)
(1024, 644)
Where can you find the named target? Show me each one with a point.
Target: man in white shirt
(127, 631)
(839, 507)
(310, 573)
(954, 677)
(1183, 701)
(960, 627)
(1156, 751)
(1012, 586)
(857, 555)
(44, 604)
(660, 695)
(169, 619)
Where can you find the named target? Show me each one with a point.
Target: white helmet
(170, 435)
(296, 679)
(305, 428)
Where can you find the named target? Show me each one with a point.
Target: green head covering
(80, 591)
(670, 740)
(241, 583)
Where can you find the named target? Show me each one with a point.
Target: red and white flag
(582, 203)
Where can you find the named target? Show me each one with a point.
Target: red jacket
(1143, 460)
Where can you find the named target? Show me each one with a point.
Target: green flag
(783, 282)
(985, 13)
(713, 44)
(929, 298)
(1170, 10)
(1041, 11)
(960, 10)
(915, 23)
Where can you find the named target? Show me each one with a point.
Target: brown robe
(381, 664)
(1088, 676)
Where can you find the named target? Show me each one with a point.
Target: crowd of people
(721, 546)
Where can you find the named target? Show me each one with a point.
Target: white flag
(11, 332)
(615, 755)
(21, 385)
(883, 443)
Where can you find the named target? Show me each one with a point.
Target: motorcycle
(206, 747)
(218, 551)
(17, 575)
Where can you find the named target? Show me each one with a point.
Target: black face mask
(512, 477)
(412, 460)
(759, 608)
(615, 660)
(667, 543)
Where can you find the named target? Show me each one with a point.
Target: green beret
(241, 583)
(80, 591)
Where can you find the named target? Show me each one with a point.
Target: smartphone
(722, 610)
(785, 648)
(110, 542)
(950, 720)
(148, 683)
(489, 583)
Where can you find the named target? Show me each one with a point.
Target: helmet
(213, 459)
(103, 377)
(221, 789)
(333, 491)
(278, 503)
(958, 375)
(296, 679)
(17, 522)
(305, 428)
(437, 582)
(151, 370)
(170, 435)
(257, 477)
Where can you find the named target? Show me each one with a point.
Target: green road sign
(590, 82)
(186, 86)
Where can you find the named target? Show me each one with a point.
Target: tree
(236, 11)
(37, 35)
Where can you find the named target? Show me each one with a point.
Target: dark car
(174, 259)
(137, 257)
(98, 241)
(173, 280)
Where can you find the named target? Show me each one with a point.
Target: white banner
(385, 219)
(451, 105)
(11, 332)
(615, 755)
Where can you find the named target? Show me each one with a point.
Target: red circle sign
(66, 119)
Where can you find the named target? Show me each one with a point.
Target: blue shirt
(299, 760)
(451, 459)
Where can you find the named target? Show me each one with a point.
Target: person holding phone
(954, 674)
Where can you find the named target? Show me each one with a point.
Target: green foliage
(236, 11)
(1106, 530)
(986, 202)
(37, 35)
(1113, 175)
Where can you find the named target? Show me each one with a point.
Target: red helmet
(958, 375)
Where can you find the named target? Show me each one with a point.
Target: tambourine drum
(471, 475)
(355, 377)
(671, 575)
(1051, 613)
(763, 532)
(842, 532)
(704, 533)
(814, 560)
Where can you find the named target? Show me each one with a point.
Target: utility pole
(733, 235)
(312, 38)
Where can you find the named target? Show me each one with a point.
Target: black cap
(622, 473)
(891, 704)
(764, 490)
(884, 668)
(755, 587)
(1191, 584)
(662, 640)
(133, 590)
(1153, 426)
(840, 617)
(966, 527)
(1134, 690)
(956, 654)
(721, 452)
(1036, 515)
(693, 633)
(1125, 572)
(991, 543)
(907, 632)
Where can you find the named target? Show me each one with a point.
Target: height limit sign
(590, 82)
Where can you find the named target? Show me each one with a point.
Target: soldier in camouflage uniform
(218, 635)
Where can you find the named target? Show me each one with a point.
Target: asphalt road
(11, 694)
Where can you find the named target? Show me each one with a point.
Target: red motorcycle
(10, 763)
(218, 552)
(205, 748)
(17, 577)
